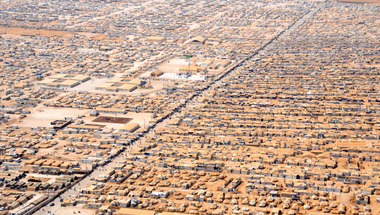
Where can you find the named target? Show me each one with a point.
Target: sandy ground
(194, 26)
(173, 66)
(175, 76)
(49, 114)
(19, 31)
(89, 85)
(29, 31)
(72, 209)
(140, 117)
(179, 61)
(145, 74)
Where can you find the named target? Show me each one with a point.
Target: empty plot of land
(72, 210)
(174, 76)
(110, 119)
(179, 61)
(172, 67)
(29, 31)
(42, 32)
(47, 115)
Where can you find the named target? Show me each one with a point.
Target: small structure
(155, 39)
(130, 127)
(362, 199)
(119, 85)
(64, 81)
(60, 124)
(198, 40)
(105, 48)
(94, 113)
(156, 73)
(185, 68)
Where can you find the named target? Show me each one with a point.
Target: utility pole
(188, 57)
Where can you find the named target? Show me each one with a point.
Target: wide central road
(230, 72)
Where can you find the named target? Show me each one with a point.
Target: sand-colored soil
(19, 31)
(42, 32)
(49, 114)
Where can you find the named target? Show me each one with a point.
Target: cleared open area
(109, 119)
(46, 115)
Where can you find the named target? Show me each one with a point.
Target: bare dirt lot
(173, 65)
(42, 32)
(74, 210)
(48, 114)
(28, 31)
(110, 119)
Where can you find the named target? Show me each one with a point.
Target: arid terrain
(156, 107)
